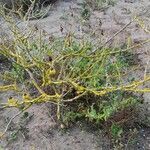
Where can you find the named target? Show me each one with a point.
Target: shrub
(90, 81)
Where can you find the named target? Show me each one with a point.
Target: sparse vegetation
(27, 9)
(100, 4)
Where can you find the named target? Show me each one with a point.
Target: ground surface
(40, 131)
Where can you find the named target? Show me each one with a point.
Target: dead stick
(113, 36)
(10, 123)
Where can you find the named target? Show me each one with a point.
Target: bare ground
(39, 130)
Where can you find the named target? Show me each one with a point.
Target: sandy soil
(41, 131)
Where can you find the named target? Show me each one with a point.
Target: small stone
(62, 126)
(142, 130)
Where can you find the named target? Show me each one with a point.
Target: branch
(75, 98)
